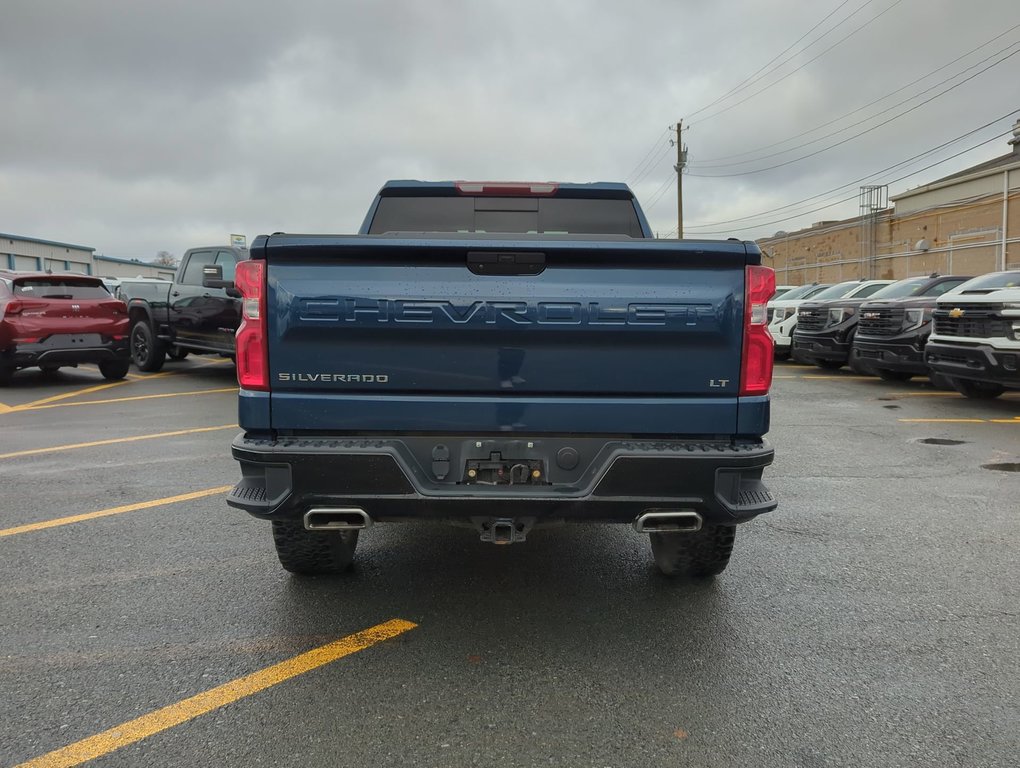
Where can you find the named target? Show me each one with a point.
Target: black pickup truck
(198, 312)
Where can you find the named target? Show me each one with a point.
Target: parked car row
(963, 332)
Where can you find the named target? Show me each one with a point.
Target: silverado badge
(956, 312)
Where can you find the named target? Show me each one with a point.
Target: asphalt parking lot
(873, 619)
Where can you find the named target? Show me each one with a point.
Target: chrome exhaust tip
(336, 519)
(668, 521)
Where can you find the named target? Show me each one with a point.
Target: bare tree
(165, 259)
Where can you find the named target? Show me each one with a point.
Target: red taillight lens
(508, 188)
(252, 351)
(759, 349)
(12, 308)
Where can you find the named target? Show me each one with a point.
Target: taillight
(759, 348)
(507, 188)
(252, 350)
(12, 308)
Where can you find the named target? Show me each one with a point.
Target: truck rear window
(512, 215)
(56, 288)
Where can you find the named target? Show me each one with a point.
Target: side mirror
(212, 277)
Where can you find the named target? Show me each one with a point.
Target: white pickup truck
(976, 340)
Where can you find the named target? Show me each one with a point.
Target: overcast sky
(134, 127)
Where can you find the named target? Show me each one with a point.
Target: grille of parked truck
(894, 326)
(826, 324)
(504, 356)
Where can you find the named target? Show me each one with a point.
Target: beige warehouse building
(966, 223)
(30, 254)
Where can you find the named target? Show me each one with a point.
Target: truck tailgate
(366, 333)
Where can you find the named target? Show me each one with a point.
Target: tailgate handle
(505, 262)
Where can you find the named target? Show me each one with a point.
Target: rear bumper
(401, 478)
(68, 349)
(978, 362)
(904, 354)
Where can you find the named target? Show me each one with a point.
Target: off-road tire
(939, 380)
(887, 375)
(695, 555)
(114, 369)
(830, 365)
(176, 353)
(147, 352)
(313, 553)
(977, 390)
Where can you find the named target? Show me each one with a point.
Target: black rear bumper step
(393, 478)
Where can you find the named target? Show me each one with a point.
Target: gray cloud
(140, 126)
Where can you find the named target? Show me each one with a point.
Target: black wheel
(694, 555)
(978, 390)
(313, 553)
(147, 352)
(176, 353)
(114, 369)
(887, 375)
(829, 365)
(782, 355)
(939, 381)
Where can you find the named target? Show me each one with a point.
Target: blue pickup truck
(504, 356)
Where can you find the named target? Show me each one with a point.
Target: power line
(854, 197)
(657, 195)
(751, 79)
(862, 133)
(663, 154)
(711, 160)
(902, 163)
(798, 69)
(637, 168)
(867, 119)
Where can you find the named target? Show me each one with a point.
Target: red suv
(54, 320)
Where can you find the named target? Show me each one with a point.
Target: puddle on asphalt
(939, 441)
(1004, 467)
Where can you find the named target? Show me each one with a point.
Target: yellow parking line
(112, 511)
(841, 378)
(125, 399)
(203, 703)
(114, 440)
(5, 408)
(66, 395)
(944, 421)
(93, 369)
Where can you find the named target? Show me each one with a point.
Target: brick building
(966, 223)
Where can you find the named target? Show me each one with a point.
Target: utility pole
(681, 163)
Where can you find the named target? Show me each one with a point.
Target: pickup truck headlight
(782, 314)
(837, 316)
(914, 318)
